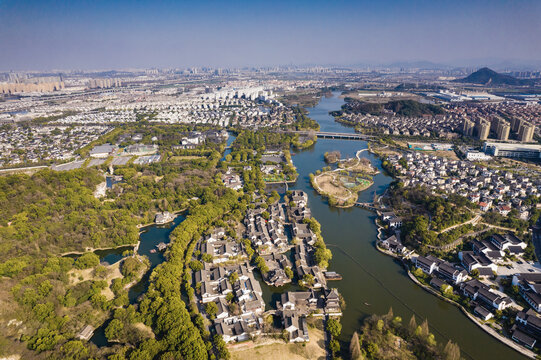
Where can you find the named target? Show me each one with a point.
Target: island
(342, 184)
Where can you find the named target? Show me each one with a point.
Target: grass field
(274, 178)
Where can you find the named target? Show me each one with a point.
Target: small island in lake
(342, 184)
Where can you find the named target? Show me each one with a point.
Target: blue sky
(98, 34)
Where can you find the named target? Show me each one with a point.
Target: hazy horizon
(93, 35)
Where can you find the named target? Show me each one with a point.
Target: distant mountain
(486, 76)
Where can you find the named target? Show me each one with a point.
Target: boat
(153, 251)
(331, 275)
(367, 304)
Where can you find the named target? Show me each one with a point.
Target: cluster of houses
(527, 328)
(190, 107)
(232, 180)
(227, 279)
(488, 253)
(483, 296)
(480, 185)
(217, 248)
(265, 229)
(193, 139)
(389, 124)
(163, 217)
(529, 285)
(19, 145)
(215, 284)
(294, 307)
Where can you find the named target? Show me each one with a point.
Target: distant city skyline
(86, 35)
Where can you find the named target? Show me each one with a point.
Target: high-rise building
(502, 130)
(468, 127)
(483, 129)
(516, 123)
(525, 133)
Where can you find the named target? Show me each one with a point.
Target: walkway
(471, 221)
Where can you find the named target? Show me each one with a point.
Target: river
(373, 282)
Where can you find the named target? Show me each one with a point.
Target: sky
(97, 35)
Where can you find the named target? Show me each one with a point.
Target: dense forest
(54, 297)
(407, 108)
(54, 212)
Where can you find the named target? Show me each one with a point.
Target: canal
(150, 237)
(373, 282)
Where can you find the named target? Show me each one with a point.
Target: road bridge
(334, 135)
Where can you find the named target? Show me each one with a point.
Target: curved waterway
(373, 282)
(150, 237)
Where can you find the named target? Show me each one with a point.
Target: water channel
(150, 237)
(373, 282)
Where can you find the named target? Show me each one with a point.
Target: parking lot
(525, 267)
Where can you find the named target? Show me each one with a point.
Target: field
(329, 185)
(314, 349)
(359, 166)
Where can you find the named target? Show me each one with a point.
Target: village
(280, 240)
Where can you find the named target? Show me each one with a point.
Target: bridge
(335, 135)
(367, 206)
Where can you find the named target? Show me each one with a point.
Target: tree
(211, 309)
(425, 331)
(390, 314)
(379, 325)
(221, 348)
(354, 347)
(87, 260)
(308, 280)
(412, 325)
(289, 272)
(334, 346)
(196, 265)
(114, 329)
(334, 327)
(451, 351)
(233, 277)
(372, 349)
(74, 350)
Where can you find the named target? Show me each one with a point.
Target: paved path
(471, 221)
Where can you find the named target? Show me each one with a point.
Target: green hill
(486, 76)
(408, 108)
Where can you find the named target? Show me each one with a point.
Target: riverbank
(490, 331)
(507, 341)
(91, 249)
(175, 213)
